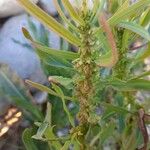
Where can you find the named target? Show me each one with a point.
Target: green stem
(86, 73)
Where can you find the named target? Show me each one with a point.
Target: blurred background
(21, 105)
(18, 62)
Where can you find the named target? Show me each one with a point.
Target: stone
(20, 58)
(48, 6)
(11, 7)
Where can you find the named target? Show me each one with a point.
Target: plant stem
(87, 71)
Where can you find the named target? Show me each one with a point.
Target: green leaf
(41, 130)
(49, 21)
(127, 11)
(139, 84)
(46, 89)
(145, 18)
(135, 28)
(141, 75)
(108, 113)
(104, 134)
(48, 113)
(64, 18)
(55, 70)
(104, 60)
(28, 141)
(107, 132)
(49, 134)
(98, 10)
(57, 53)
(131, 85)
(12, 86)
(60, 92)
(43, 51)
(116, 109)
(66, 82)
(72, 12)
(52, 64)
(45, 131)
(66, 145)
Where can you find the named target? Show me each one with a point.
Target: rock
(40, 97)
(10, 7)
(48, 6)
(20, 58)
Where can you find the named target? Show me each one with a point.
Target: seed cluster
(86, 72)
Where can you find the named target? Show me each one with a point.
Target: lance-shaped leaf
(63, 16)
(45, 130)
(104, 134)
(141, 75)
(41, 130)
(66, 145)
(12, 86)
(131, 85)
(61, 54)
(60, 92)
(135, 28)
(112, 108)
(145, 18)
(56, 63)
(46, 89)
(57, 53)
(72, 12)
(126, 12)
(49, 21)
(66, 82)
(97, 8)
(28, 141)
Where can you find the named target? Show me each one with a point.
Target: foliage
(100, 76)
(13, 87)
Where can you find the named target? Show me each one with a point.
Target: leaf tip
(26, 33)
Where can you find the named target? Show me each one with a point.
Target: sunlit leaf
(57, 53)
(41, 130)
(60, 92)
(66, 82)
(141, 75)
(61, 13)
(72, 12)
(49, 21)
(128, 11)
(131, 85)
(46, 89)
(135, 28)
(145, 18)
